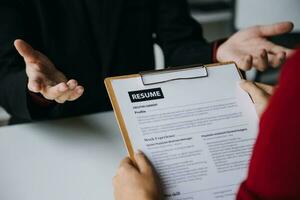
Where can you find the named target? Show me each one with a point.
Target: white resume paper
(198, 133)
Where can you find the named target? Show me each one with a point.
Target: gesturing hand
(260, 94)
(250, 47)
(136, 182)
(44, 78)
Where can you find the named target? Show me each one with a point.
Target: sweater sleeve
(13, 79)
(14, 95)
(274, 171)
(179, 35)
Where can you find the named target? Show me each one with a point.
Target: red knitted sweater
(274, 171)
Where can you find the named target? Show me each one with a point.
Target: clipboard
(152, 78)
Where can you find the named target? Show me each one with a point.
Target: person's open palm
(44, 78)
(250, 47)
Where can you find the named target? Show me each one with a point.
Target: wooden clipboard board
(116, 107)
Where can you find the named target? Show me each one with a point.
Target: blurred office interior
(221, 18)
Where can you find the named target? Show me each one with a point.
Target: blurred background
(221, 18)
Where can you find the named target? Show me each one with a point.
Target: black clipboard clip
(173, 73)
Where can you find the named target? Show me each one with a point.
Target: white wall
(254, 12)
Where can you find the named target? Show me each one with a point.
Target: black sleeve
(14, 95)
(179, 35)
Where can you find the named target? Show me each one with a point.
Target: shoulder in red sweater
(274, 171)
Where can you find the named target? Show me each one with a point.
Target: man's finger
(35, 86)
(261, 61)
(53, 92)
(245, 63)
(70, 94)
(72, 84)
(276, 60)
(143, 163)
(273, 48)
(256, 93)
(76, 93)
(26, 51)
(276, 29)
